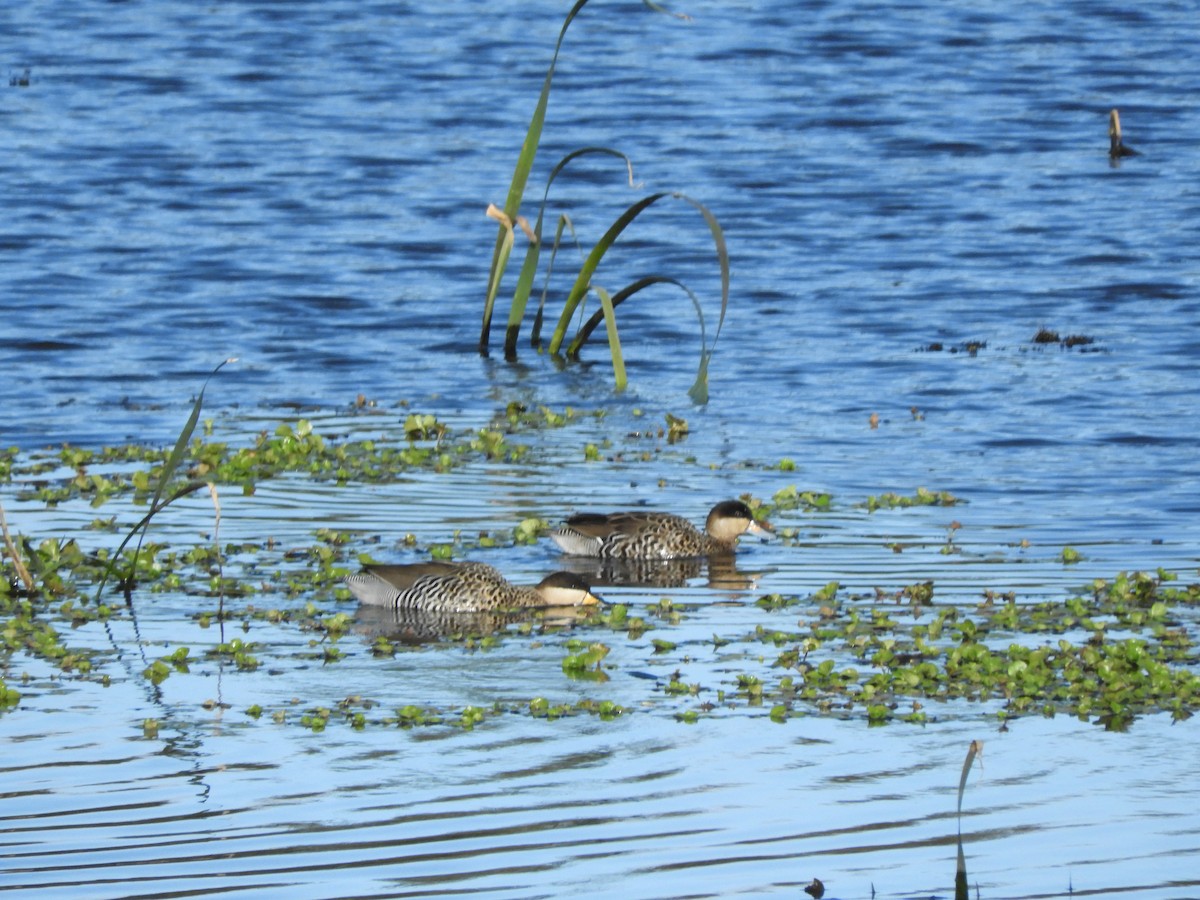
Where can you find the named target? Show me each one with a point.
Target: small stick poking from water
(1116, 149)
(15, 555)
(212, 491)
(976, 749)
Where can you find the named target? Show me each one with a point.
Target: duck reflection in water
(406, 625)
(721, 569)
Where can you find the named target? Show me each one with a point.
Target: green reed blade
(529, 267)
(585, 332)
(699, 390)
(564, 222)
(157, 504)
(974, 750)
(658, 7)
(584, 279)
(624, 294)
(614, 341)
(516, 189)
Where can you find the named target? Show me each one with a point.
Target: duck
(658, 535)
(1116, 149)
(463, 587)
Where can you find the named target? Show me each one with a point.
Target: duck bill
(591, 599)
(763, 529)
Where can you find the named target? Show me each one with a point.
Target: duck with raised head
(657, 535)
(463, 587)
(1116, 149)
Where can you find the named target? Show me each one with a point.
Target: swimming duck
(462, 587)
(657, 535)
(1116, 149)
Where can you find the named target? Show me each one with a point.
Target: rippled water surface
(910, 192)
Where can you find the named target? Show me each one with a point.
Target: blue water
(303, 186)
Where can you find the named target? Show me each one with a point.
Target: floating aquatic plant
(923, 497)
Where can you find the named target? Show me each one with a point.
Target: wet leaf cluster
(420, 442)
(1118, 650)
(357, 712)
(923, 497)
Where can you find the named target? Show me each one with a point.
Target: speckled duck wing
(628, 535)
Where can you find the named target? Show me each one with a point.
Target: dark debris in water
(1048, 336)
(971, 348)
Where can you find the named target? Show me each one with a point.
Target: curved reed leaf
(620, 297)
(584, 279)
(529, 266)
(585, 332)
(505, 246)
(516, 189)
(15, 555)
(658, 7)
(699, 390)
(157, 504)
(524, 166)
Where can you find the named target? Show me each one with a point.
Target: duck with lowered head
(463, 587)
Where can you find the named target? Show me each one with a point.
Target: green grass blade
(584, 279)
(722, 251)
(168, 470)
(516, 189)
(658, 7)
(564, 222)
(529, 267)
(614, 341)
(699, 390)
(624, 294)
(185, 436)
(585, 332)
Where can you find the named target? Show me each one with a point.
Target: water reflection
(406, 625)
(721, 572)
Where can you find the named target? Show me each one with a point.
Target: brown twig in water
(18, 564)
